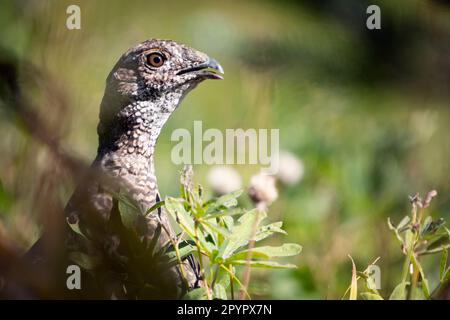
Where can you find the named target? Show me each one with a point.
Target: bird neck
(127, 143)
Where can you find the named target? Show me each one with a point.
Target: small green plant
(221, 242)
(418, 235)
(218, 232)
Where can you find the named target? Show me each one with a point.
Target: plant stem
(177, 252)
(246, 276)
(414, 279)
(200, 260)
(231, 282)
(432, 251)
(236, 279)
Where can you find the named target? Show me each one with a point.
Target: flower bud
(262, 189)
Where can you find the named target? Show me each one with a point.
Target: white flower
(291, 168)
(262, 189)
(224, 180)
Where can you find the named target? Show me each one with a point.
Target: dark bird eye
(155, 59)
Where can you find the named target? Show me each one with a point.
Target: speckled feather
(137, 102)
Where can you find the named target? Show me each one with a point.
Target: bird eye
(155, 59)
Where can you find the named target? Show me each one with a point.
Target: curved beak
(214, 64)
(203, 70)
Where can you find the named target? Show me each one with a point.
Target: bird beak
(214, 64)
(202, 70)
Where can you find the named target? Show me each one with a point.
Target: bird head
(155, 68)
(145, 86)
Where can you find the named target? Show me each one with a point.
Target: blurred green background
(367, 112)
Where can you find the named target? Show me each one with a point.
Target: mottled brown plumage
(143, 89)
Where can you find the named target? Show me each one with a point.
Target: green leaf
(241, 234)
(213, 225)
(430, 228)
(225, 213)
(196, 294)
(409, 239)
(178, 212)
(437, 241)
(425, 225)
(425, 287)
(76, 228)
(155, 207)
(354, 283)
(229, 222)
(399, 292)
(370, 296)
(403, 223)
(219, 292)
(210, 235)
(124, 197)
(265, 264)
(129, 212)
(184, 249)
(446, 276)
(417, 294)
(223, 279)
(435, 225)
(269, 229)
(227, 201)
(268, 252)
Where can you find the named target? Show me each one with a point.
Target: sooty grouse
(143, 89)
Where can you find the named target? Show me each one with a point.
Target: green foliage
(222, 243)
(220, 234)
(418, 236)
(400, 292)
(370, 296)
